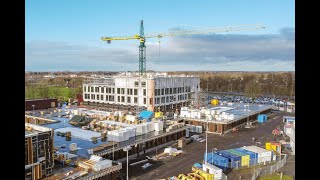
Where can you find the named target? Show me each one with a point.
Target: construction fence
(261, 171)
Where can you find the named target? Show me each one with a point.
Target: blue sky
(65, 35)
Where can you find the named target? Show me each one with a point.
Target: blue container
(261, 118)
(198, 165)
(217, 160)
(146, 115)
(234, 160)
(253, 155)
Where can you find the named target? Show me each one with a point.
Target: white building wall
(129, 82)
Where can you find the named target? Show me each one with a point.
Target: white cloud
(210, 52)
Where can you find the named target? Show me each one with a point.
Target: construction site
(130, 116)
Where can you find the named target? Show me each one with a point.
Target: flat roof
(32, 129)
(238, 110)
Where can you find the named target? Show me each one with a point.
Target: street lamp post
(206, 142)
(127, 148)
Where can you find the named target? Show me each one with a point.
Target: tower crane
(142, 38)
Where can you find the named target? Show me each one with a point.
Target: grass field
(275, 177)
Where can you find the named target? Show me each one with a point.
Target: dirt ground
(194, 152)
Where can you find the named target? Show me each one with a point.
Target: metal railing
(269, 169)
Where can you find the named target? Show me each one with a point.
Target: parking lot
(194, 152)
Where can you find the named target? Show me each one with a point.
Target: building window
(167, 90)
(135, 99)
(144, 92)
(92, 89)
(163, 99)
(144, 100)
(109, 90)
(162, 91)
(150, 101)
(215, 128)
(85, 88)
(167, 99)
(97, 89)
(128, 99)
(102, 89)
(143, 84)
(98, 96)
(118, 90)
(111, 98)
(122, 98)
(135, 91)
(112, 90)
(185, 97)
(136, 84)
(170, 90)
(174, 90)
(122, 90)
(101, 97)
(118, 98)
(107, 98)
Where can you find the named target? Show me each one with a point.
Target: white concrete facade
(149, 92)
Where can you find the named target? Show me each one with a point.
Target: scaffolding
(39, 157)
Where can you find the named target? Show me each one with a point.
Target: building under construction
(39, 157)
(224, 118)
(154, 91)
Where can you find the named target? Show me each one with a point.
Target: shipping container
(234, 160)
(217, 160)
(263, 154)
(245, 158)
(253, 155)
(217, 172)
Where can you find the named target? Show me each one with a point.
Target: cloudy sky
(65, 35)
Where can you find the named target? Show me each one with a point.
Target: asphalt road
(194, 152)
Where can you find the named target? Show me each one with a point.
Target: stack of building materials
(263, 154)
(95, 158)
(182, 143)
(158, 126)
(150, 126)
(131, 118)
(100, 165)
(132, 131)
(217, 172)
(245, 158)
(141, 129)
(217, 160)
(234, 160)
(73, 146)
(253, 155)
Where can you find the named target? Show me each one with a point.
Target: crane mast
(142, 51)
